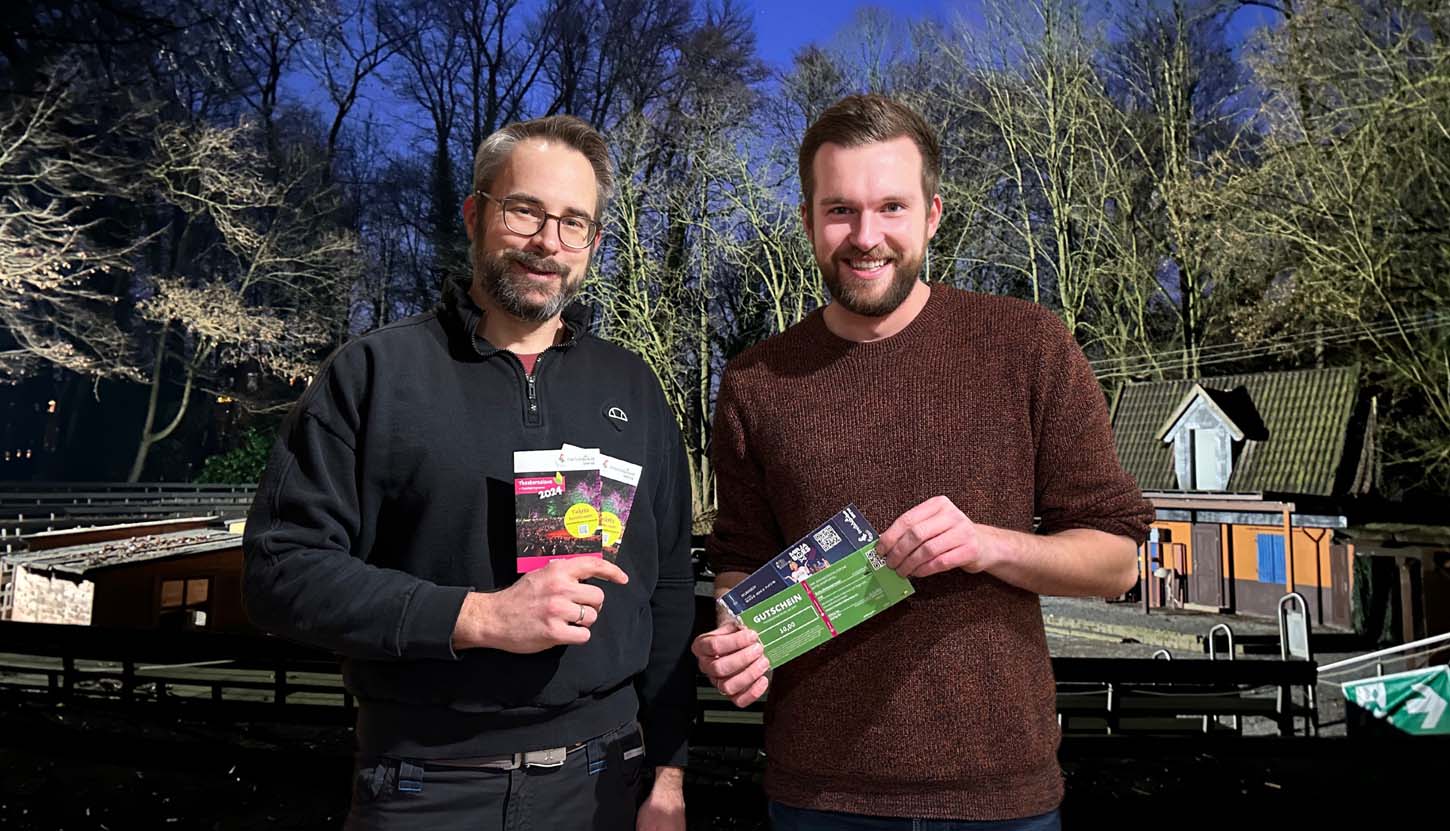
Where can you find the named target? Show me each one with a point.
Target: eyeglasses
(527, 219)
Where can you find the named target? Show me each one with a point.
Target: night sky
(781, 28)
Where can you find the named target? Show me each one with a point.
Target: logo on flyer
(862, 535)
(540, 486)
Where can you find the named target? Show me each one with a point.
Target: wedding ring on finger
(579, 620)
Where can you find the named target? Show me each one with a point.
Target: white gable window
(1210, 459)
(1202, 437)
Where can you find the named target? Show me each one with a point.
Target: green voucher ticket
(826, 583)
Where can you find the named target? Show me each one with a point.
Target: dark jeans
(595, 788)
(786, 818)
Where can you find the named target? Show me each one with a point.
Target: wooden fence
(247, 678)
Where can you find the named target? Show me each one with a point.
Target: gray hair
(568, 130)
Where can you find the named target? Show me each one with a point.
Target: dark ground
(64, 769)
(68, 768)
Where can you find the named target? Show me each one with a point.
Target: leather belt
(551, 757)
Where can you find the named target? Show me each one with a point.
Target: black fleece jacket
(389, 496)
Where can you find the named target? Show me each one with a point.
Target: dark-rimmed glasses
(527, 219)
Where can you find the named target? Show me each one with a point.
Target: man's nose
(546, 242)
(866, 231)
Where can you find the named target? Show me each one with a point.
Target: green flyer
(828, 582)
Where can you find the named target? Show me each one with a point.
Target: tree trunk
(149, 438)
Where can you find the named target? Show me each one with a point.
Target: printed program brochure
(556, 505)
(618, 480)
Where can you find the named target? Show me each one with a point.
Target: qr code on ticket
(827, 538)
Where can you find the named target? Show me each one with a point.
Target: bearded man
(952, 420)
(384, 530)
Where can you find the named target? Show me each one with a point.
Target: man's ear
(933, 215)
(470, 215)
(806, 221)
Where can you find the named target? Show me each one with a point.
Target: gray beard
(516, 296)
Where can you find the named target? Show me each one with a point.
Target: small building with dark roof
(1253, 478)
(183, 579)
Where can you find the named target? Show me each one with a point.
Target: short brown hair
(565, 129)
(866, 119)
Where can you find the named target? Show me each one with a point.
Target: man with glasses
(384, 529)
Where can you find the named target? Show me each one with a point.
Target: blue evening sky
(783, 26)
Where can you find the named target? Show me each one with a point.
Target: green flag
(1413, 702)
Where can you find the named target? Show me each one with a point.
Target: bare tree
(351, 47)
(870, 48)
(758, 235)
(1032, 88)
(255, 283)
(265, 36)
(612, 58)
(814, 81)
(395, 233)
(1176, 84)
(50, 177)
(664, 283)
(435, 54)
(1345, 210)
(504, 61)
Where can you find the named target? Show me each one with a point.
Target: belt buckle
(552, 757)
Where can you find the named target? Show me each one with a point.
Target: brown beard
(859, 302)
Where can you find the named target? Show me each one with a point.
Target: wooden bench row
(119, 488)
(31, 507)
(26, 523)
(1095, 695)
(1129, 696)
(14, 509)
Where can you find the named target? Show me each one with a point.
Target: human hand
(547, 607)
(732, 657)
(934, 537)
(664, 808)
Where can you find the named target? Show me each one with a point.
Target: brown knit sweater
(943, 706)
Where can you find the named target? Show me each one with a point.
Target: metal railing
(1405, 651)
(1228, 632)
(1295, 629)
